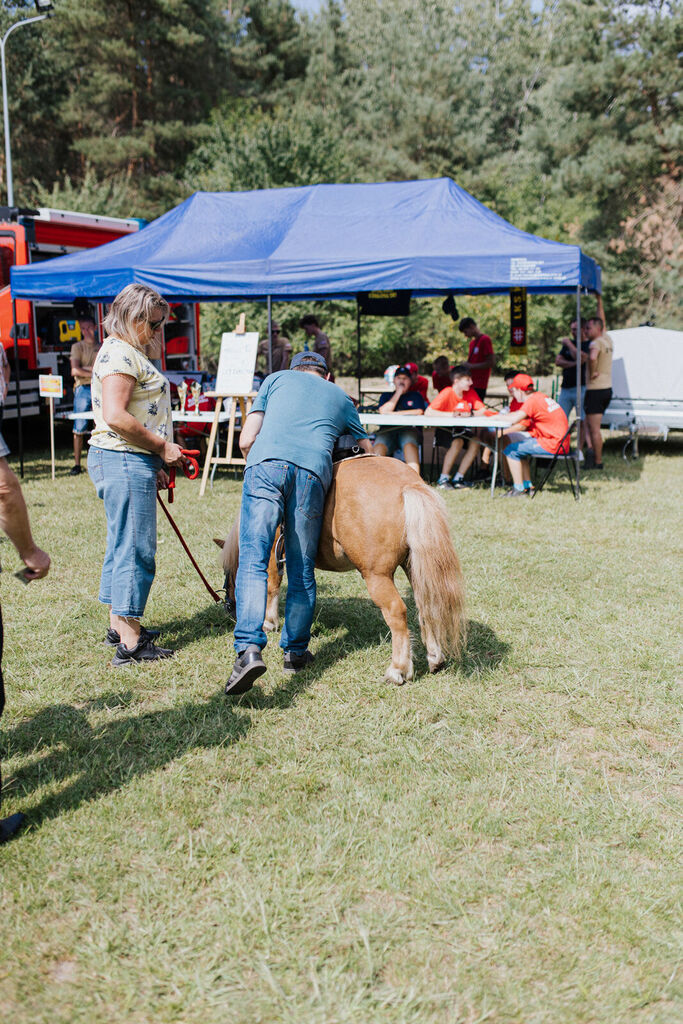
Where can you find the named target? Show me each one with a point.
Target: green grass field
(499, 842)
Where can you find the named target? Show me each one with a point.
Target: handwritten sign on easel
(234, 383)
(236, 364)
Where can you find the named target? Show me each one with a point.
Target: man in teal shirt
(287, 440)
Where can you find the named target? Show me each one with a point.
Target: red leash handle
(190, 469)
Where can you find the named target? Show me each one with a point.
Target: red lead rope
(191, 472)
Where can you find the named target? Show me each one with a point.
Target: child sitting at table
(403, 401)
(460, 399)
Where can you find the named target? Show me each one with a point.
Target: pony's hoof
(435, 666)
(393, 675)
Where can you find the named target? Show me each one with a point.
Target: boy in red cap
(547, 425)
(417, 383)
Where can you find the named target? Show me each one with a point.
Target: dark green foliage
(563, 116)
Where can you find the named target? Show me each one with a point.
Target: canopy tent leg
(358, 361)
(579, 404)
(270, 334)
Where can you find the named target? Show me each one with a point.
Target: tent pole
(270, 334)
(358, 364)
(579, 409)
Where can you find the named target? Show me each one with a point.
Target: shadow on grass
(59, 744)
(98, 760)
(364, 628)
(214, 619)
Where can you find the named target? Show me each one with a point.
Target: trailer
(45, 330)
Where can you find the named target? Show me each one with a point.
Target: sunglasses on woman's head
(156, 324)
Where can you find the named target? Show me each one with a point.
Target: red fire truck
(47, 330)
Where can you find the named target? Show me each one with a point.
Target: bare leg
(78, 448)
(128, 629)
(412, 456)
(383, 592)
(379, 448)
(451, 456)
(516, 471)
(594, 419)
(469, 457)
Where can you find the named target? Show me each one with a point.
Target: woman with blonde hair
(131, 442)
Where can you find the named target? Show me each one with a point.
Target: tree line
(561, 115)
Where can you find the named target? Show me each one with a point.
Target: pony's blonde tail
(231, 550)
(434, 572)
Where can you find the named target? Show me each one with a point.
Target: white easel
(234, 383)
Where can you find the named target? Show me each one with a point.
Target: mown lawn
(499, 842)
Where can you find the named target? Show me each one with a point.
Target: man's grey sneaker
(143, 651)
(512, 493)
(248, 666)
(461, 485)
(75, 471)
(297, 662)
(444, 485)
(113, 639)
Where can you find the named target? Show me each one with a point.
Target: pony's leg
(435, 656)
(383, 592)
(272, 619)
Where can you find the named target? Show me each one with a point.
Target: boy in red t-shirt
(417, 383)
(460, 399)
(547, 426)
(441, 373)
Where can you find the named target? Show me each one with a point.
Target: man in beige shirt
(599, 383)
(83, 355)
(282, 350)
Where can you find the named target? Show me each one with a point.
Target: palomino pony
(378, 515)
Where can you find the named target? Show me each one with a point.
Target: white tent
(647, 383)
(648, 364)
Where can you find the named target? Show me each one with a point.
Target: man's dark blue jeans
(278, 492)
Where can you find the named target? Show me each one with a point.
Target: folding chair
(554, 457)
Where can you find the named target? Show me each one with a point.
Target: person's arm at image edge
(15, 523)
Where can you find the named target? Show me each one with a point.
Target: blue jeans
(567, 400)
(127, 484)
(278, 492)
(525, 449)
(82, 403)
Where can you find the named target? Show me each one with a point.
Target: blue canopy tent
(319, 242)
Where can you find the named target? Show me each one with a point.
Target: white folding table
(489, 422)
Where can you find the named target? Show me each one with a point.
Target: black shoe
(10, 826)
(144, 650)
(113, 639)
(297, 662)
(75, 471)
(513, 493)
(246, 670)
(461, 485)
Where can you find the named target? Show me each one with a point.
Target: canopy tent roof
(321, 241)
